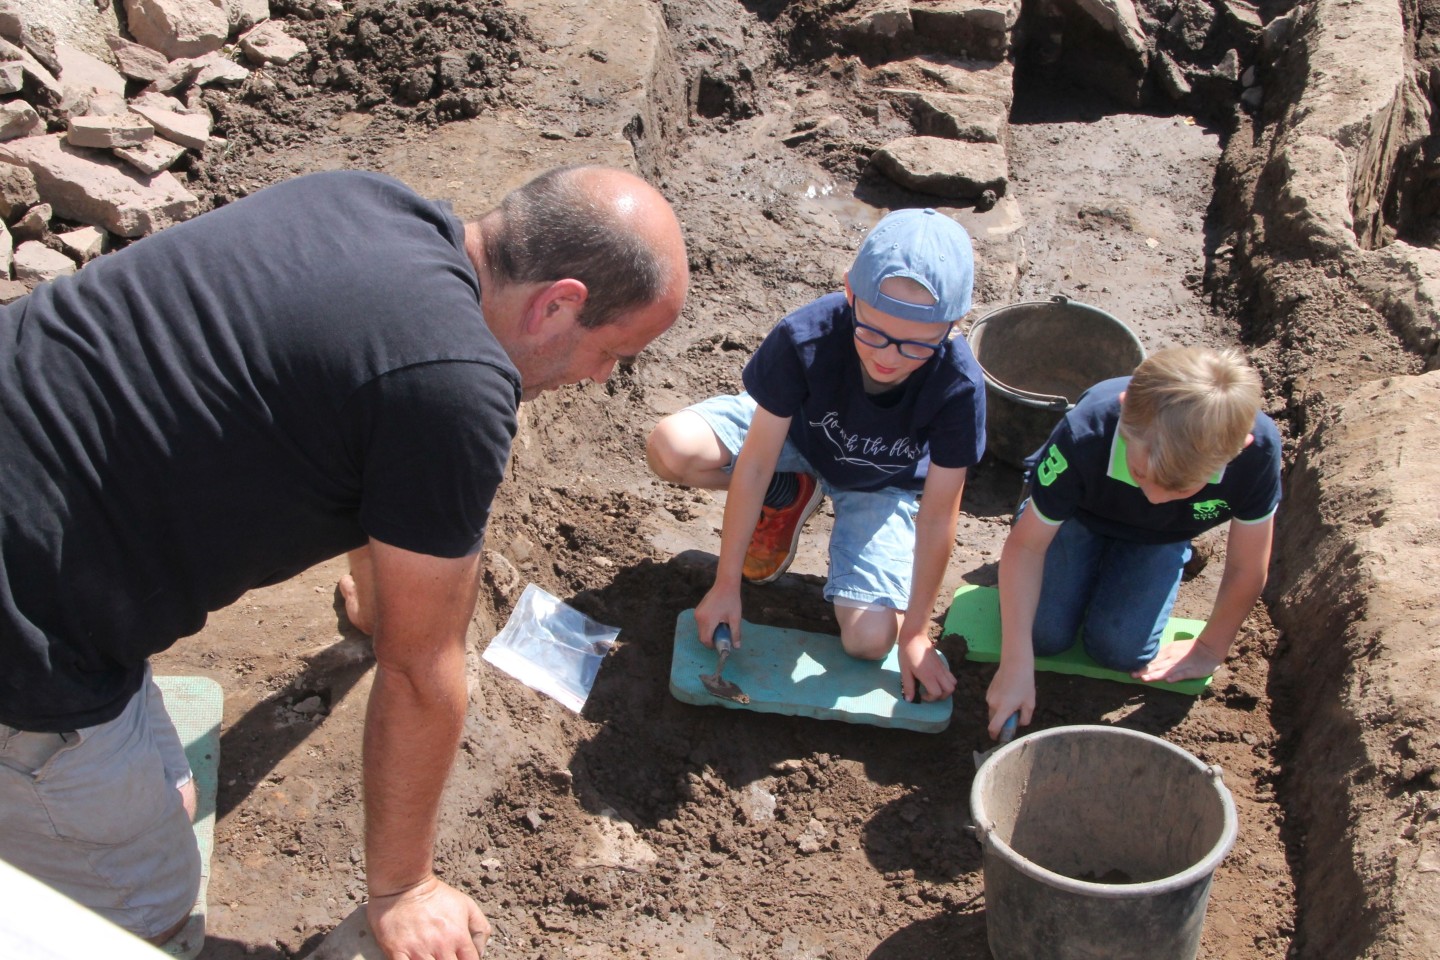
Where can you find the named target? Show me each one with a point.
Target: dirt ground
(644, 826)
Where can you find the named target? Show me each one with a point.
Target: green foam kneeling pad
(797, 673)
(195, 705)
(975, 615)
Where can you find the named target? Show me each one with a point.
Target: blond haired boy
(1138, 468)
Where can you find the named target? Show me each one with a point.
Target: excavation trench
(647, 827)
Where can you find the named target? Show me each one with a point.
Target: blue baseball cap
(926, 246)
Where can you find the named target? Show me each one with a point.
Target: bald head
(608, 229)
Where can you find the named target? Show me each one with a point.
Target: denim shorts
(95, 814)
(872, 542)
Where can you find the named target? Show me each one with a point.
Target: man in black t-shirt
(332, 364)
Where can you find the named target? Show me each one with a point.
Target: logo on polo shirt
(1209, 509)
(1052, 466)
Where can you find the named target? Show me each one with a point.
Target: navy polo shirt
(1081, 473)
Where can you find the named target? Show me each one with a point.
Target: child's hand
(919, 663)
(1180, 660)
(1013, 689)
(719, 606)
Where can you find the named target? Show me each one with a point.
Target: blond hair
(1192, 408)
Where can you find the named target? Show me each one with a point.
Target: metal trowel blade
(716, 685)
(1007, 733)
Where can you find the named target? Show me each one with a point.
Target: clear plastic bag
(551, 647)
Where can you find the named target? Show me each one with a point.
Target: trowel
(1007, 733)
(714, 683)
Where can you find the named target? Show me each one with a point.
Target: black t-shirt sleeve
(1261, 463)
(433, 441)
(1057, 483)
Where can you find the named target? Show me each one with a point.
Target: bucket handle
(1045, 400)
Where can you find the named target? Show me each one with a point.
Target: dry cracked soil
(644, 826)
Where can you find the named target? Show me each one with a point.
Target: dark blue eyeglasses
(909, 349)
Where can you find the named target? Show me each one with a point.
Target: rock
(957, 116)
(1252, 97)
(12, 76)
(1229, 66)
(80, 23)
(138, 62)
(178, 28)
(1276, 36)
(17, 191)
(1118, 17)
(882, 20)
(244, 14)
(159, 101)
(187, 129)
(87, 75)
(967, 28)
(100, 190)
(177, 74)
(945, 168)
(269, 43)
(37, 263)
(34, 224)
(218, 68)
(105, 132)
(39, 40)
(12, 290)
(1172, 77)
(84, 244)
(43, 78)
(7, 253)
(108, 105)
(19, 119)
(152, 156)
(1191, 24)
(1244, 18)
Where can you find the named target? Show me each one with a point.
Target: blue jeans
(872, 541)
(1119, 593)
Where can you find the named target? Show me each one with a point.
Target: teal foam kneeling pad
(975, 615)
(802, 674)
(195, 706)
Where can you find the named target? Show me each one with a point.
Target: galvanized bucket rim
(1030, 398)
(1204, 867)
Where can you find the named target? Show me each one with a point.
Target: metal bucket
(1038, 357)
(1099, 844)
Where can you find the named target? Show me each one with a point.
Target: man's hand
(429, 920)
(1180, 660)
(1012, 689)
(919, 663)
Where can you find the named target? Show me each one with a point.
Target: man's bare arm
(422, 607)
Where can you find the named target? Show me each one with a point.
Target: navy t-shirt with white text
(807, 369)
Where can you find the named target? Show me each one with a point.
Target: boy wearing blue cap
(863, 396)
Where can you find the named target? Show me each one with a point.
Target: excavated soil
(644, 826)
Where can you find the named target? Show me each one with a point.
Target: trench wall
(1358, 536)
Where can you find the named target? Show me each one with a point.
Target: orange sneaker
(772, 546)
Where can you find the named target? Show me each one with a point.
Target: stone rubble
(92, 123)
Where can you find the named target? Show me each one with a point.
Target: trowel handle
(722, 638)
(1007, 732)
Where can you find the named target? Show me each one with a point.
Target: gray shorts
(95, 814)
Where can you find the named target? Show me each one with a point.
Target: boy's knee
(1116, 652)
(660, 452)
(868, 634)
(1049, 641)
